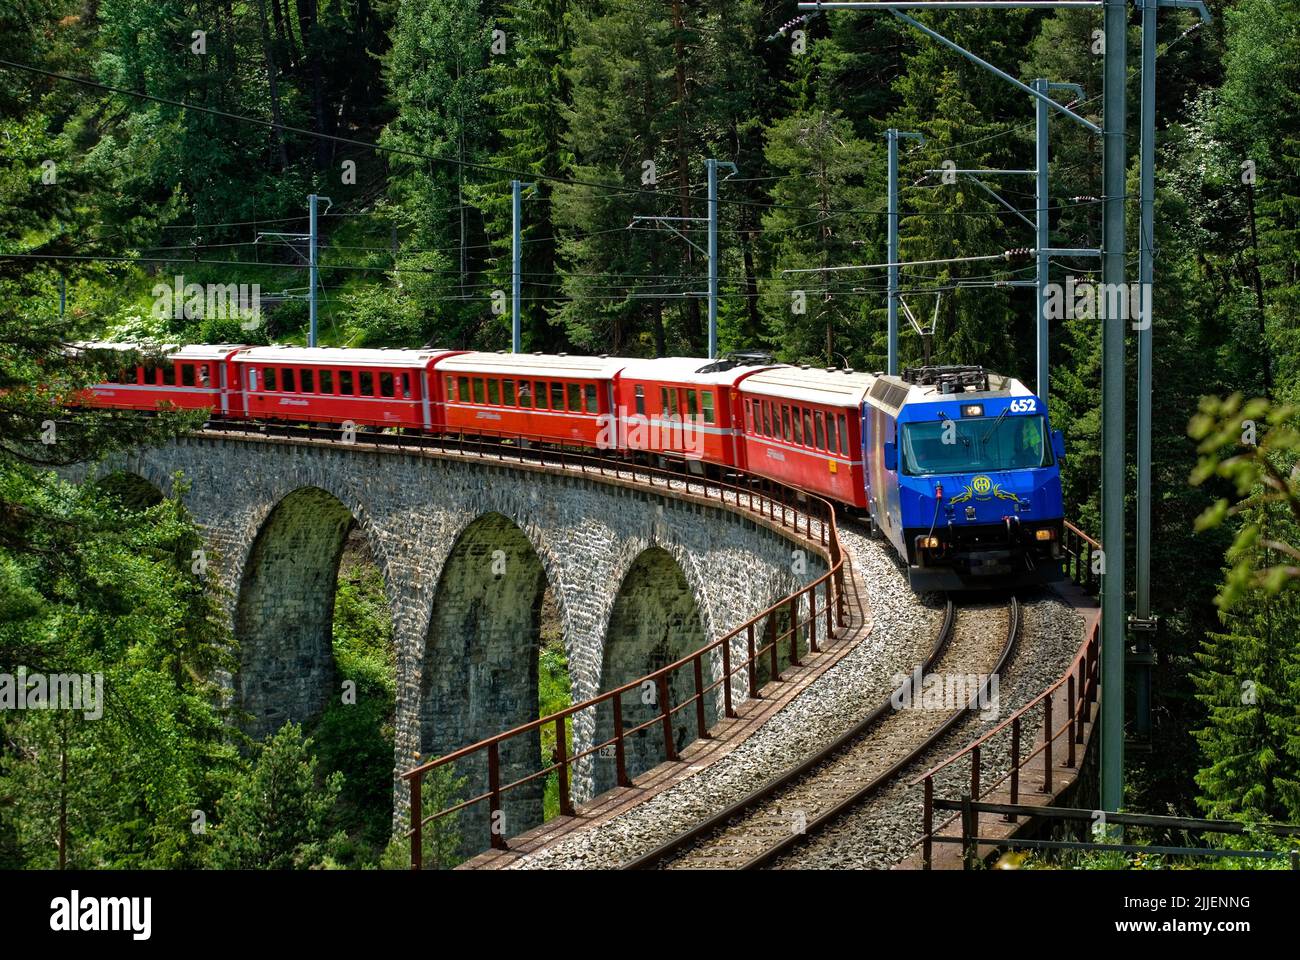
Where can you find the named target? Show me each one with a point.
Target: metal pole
(1041, 127)
(891, 367)
(1112, 412)
(1143, 621)
(311, 264)
(516, 258)
(712, 167)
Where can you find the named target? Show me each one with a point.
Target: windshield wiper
(996, 423)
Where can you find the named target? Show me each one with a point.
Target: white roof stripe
(533, 365)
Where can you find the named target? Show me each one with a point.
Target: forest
(171, 141)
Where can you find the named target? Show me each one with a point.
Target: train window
(639, 390)
(252, 379)
(785, 423)
(268, 378)
(508, 392)
(187, 374)
(494, 392)
(807, 428)
(205, 378)
(169, 374)
(367, 383)
(479, 396)
(844, 434)
(692, 404)
(767, 422)
(386, 388)
(451, 387)
(798, 428)
(590, 393)
(307, 381)
(525, 393)
(345, 382)
(463, 395)
(406, 386)
(557, 396)
(821, 430)
(672, 403)
(575, 397)
(749, 414)
(286, 380)
(327, 381)
(707, 398)
(663, 401)
(540, 393)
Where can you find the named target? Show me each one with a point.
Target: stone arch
(284, 611)
(655, 620)
(132, 489)
(479, 670)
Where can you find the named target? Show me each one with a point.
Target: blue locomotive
(963, 478)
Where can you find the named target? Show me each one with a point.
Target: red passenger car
(196, 377)
(683, 405)
(550, 398)
(803, 427)
(389, 388)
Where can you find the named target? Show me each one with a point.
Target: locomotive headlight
(1045, 533)
(928, 543)
(973, 410)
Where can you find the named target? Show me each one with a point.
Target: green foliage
(277, 818)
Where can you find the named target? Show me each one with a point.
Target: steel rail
(686, 839)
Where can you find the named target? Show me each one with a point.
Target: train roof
(342, 356)
(690, 370)
(173, 351)
(533, 365)
(891, 394)
(836, 388)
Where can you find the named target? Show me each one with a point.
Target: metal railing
(1078, 548)
(969, 811)
(1081, 681)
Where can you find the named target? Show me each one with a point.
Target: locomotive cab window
(983, 444)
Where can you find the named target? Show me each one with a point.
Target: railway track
(783, 813)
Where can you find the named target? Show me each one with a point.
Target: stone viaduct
(467, 547)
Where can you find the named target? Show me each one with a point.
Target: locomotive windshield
(975, 445)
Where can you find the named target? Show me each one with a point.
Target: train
(956, 467)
